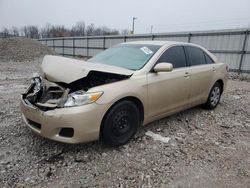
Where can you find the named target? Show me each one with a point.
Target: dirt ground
(206, 148)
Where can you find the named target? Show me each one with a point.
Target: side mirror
(163, 67)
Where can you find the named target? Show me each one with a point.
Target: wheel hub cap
(121, 123)
(215, 96)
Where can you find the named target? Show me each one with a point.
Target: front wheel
(120, 123)
(214, 96)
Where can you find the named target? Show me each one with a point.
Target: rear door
(202, 68)
(169, 91)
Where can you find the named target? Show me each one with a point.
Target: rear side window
(174, 55)
(208, 59)
(196, 56)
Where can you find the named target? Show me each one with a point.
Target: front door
(169, 91)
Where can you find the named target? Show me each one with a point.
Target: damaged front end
(48, 95)
(69, 85)
(45, 95)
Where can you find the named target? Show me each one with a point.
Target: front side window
(196, 56)
(174, 55)
(129, 56)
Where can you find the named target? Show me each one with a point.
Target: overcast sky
(164, 15)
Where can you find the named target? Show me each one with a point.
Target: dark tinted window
(174, 55)
(196, 56)
(208, 59)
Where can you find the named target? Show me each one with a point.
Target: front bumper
(84, 120)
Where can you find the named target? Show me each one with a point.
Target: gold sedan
(119, 89)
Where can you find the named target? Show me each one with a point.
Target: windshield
(129, 56)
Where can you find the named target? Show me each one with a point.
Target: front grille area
(43, 96)
(49, 98)
(34, 124)
(51, 93)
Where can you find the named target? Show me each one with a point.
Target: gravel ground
(206, 148)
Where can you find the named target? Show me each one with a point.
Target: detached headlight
(79, 98)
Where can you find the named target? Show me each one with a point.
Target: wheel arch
(133, 99)
(220, 81)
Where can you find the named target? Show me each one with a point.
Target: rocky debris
(22, 49)
(206, 149)
(157, 137)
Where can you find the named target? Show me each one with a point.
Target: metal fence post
(53, 44)
(87, 47)
(104, 42)
(153, 36)
(243, 52)
(73, 46)
(63, 46)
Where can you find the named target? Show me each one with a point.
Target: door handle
(187, 75)
(214, 69)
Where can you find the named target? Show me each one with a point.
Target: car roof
(163, 43)
(154, 42)
(170, 43)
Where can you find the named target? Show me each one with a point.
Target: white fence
(230, 46)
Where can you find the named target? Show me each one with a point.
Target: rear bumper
(84, 120)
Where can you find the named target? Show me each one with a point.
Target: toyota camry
(131, 84)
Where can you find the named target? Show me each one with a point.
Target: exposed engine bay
(93, 79)
(48, 95)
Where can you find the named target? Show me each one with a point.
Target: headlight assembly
(79, 98)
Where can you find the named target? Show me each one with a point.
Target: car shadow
(53, 151)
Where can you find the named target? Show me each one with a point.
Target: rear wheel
(214, 96)
(120, 123)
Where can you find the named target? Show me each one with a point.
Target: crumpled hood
(67, 70)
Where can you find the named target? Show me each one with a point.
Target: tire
(214, 97)
(120, 124)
